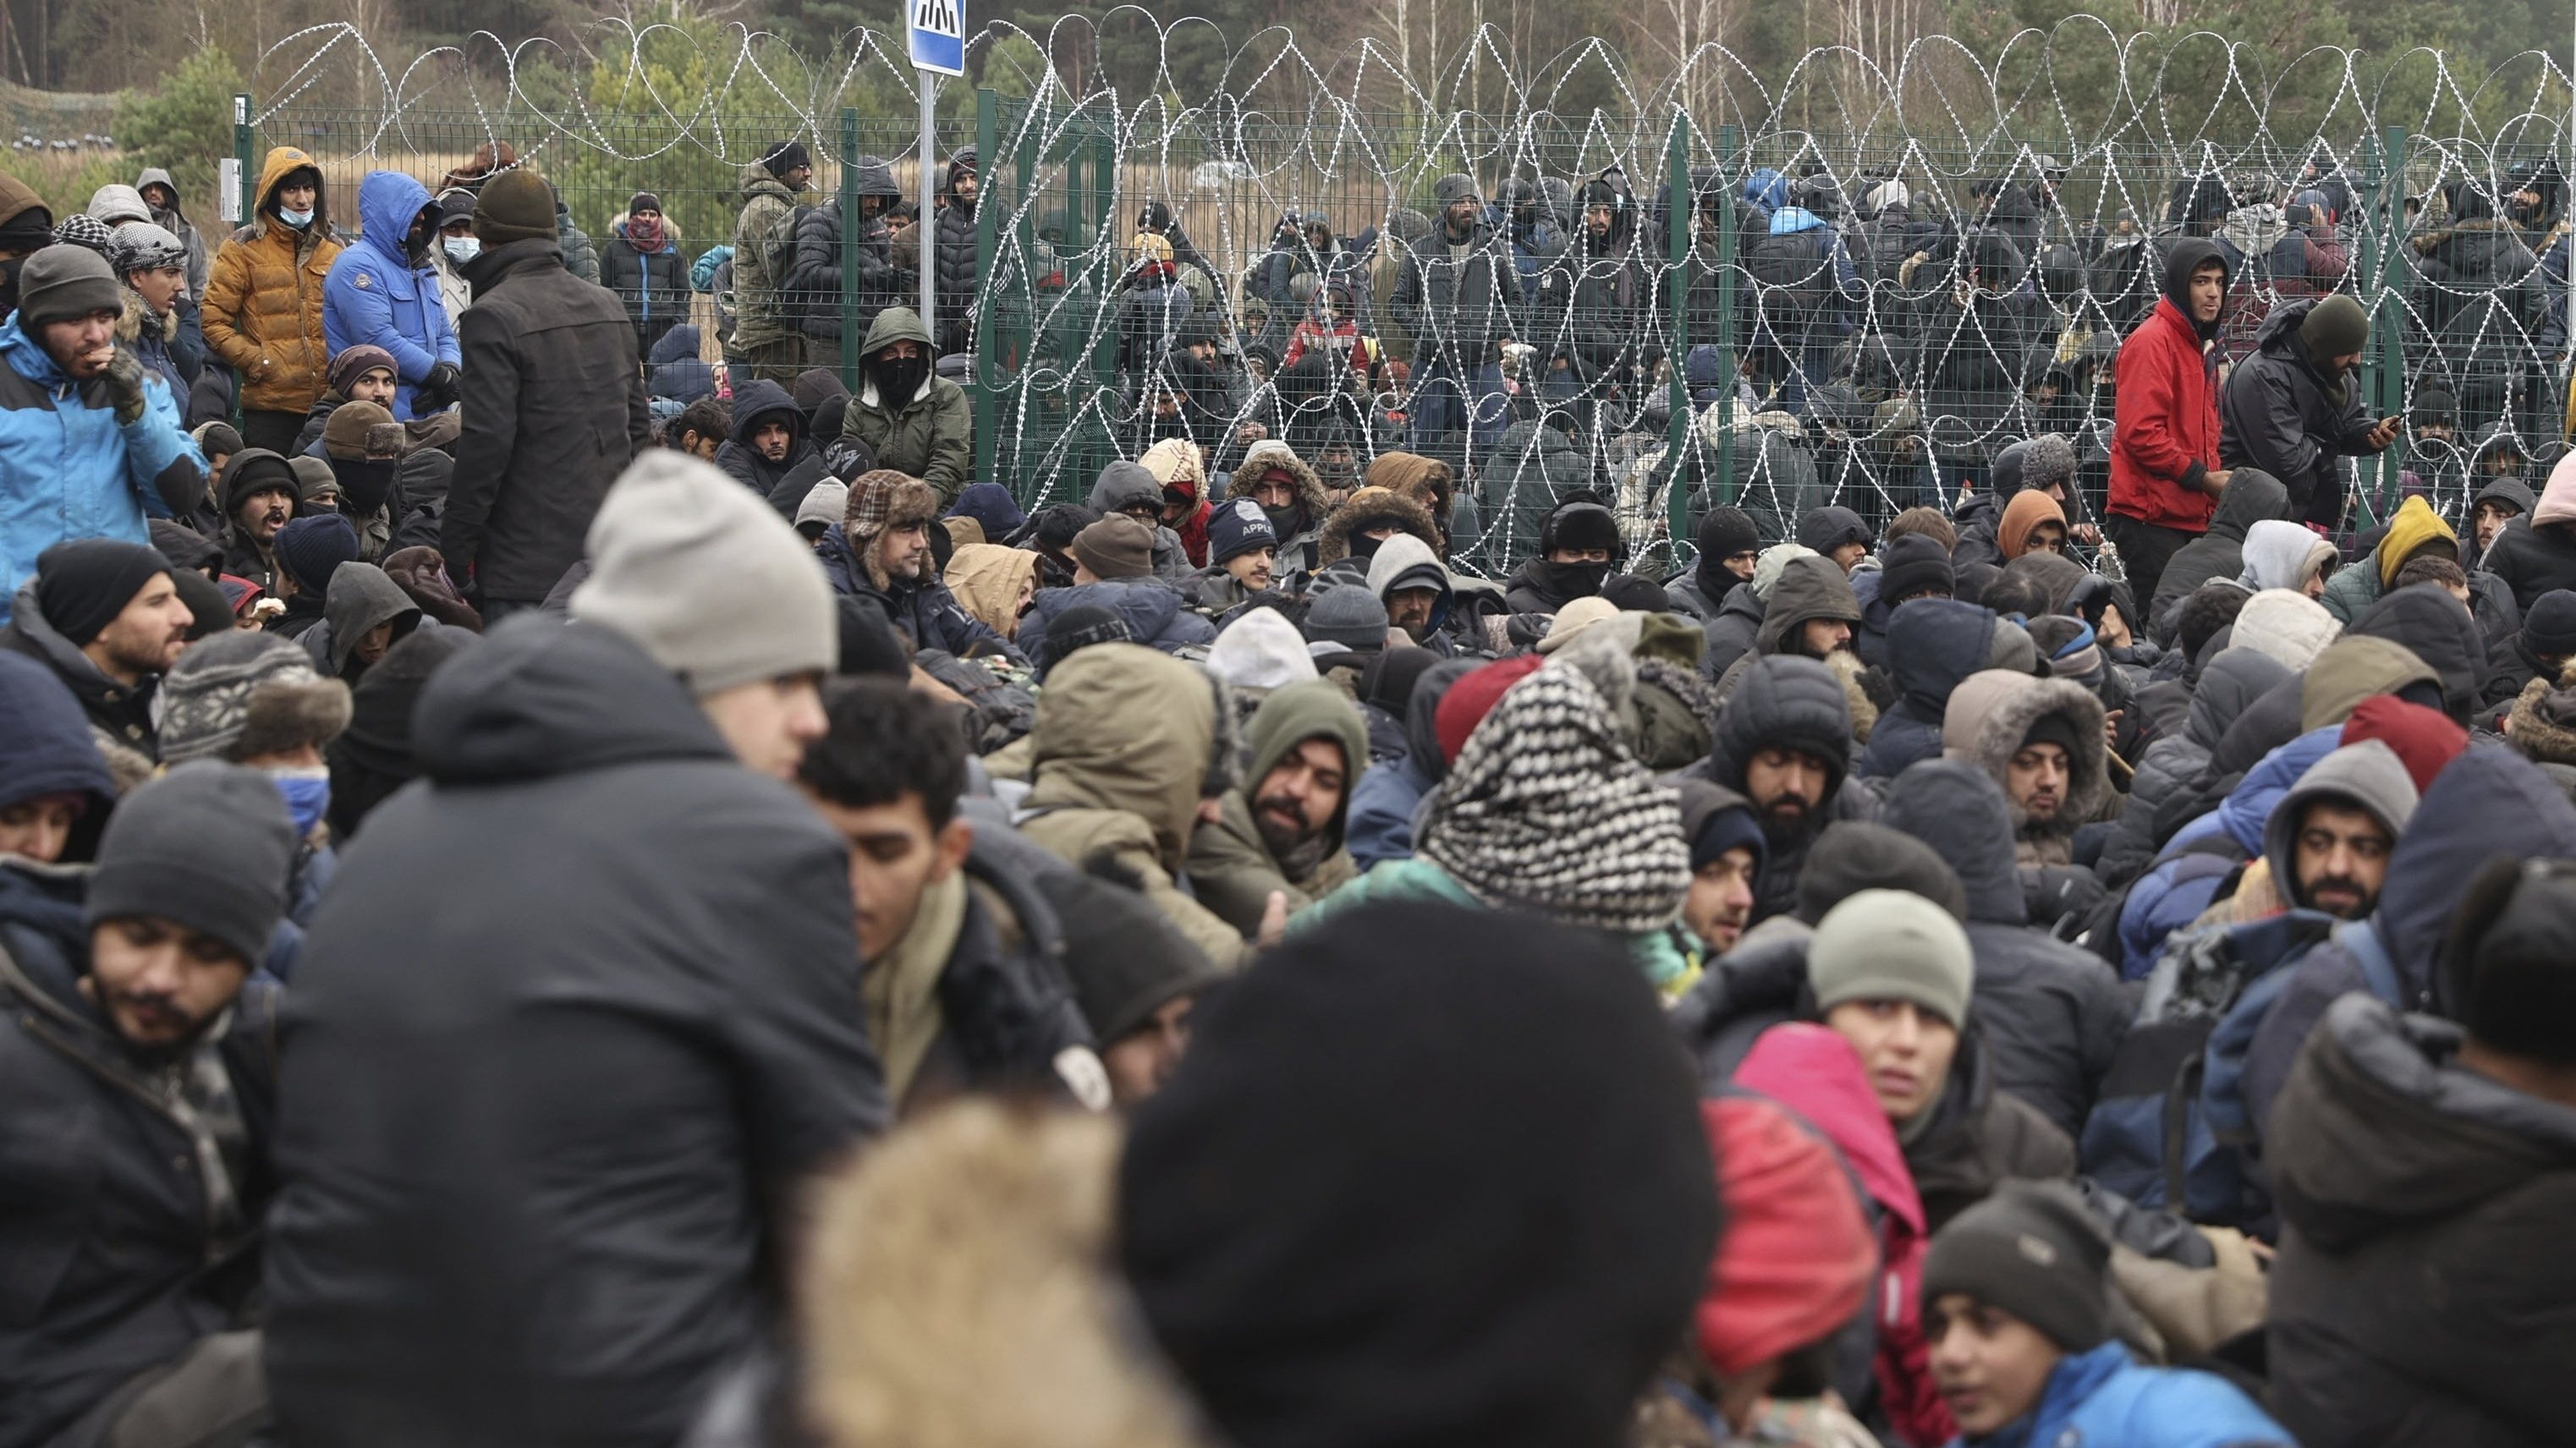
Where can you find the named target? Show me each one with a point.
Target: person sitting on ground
(2032, 523)
(1810, 614)
(1130, 489)
(106, 618)
(1726, 846)
(1113, 568)
(1837, 533)
(55, 791)
(1243, 552)
(768, 442)
(1784, 742)
(881, 551)
(2328, 841)
(2043, 741)
(1281, 831)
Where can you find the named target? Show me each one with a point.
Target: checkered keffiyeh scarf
(1547, 810)
(82, 229)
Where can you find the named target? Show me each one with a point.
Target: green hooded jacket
(763, 245)
(1231, 867)
(930, 435)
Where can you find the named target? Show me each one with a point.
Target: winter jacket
(755, 402)
(653, 286)
(2424, 1269)
(2105, 1399)
(2188, 872)
(2165, 437)
(122, 1251)
(1117, 761)
(2431, 624)
(2357, 587)
(2233, 679)
(375, 296)
(263, 311)
(930, 435)
(1231, 866)
(554, 410)
(1456, 298)
(924, 609)
(1156, 614)
(2052, 1014)
(1992, 712)
(1798, 704)
(361, 597)
(658, 982)
(955, 256)
(2219, 552)
(2275, 413)
(1390, 794)
(69, 469)
(814, 273)
(175, 221)
(1933, 644)
(168, 344)
(764, 245)
(1731, 633)
(2531, 562)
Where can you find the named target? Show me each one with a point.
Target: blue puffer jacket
(2101, 1399)
(2182, 881)
(68, 470)
(375, 297)
(1932, 643)
(1157, 615)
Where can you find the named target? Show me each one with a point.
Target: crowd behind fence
(1678, 309)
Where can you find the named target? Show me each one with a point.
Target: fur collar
(1374, 508)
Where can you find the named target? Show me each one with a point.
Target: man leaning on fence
(554, 404)
(767, 343)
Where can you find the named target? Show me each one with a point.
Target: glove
(439, 391)
(124, 377)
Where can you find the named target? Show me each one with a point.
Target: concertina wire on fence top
(1901, 269)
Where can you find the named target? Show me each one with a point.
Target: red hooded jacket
(2164, 431)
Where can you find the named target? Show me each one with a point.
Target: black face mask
(1364, 546)
(9, 283)
(1286, 522)
(1570, 581)
(897, 378)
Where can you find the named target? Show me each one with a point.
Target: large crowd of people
(535, 909)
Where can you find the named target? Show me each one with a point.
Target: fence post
(850, 338)
(1722, 487)
(2388, 329)
(1677, 243)
(988, 150)
(243, 140)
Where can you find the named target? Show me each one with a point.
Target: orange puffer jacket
(263, 310)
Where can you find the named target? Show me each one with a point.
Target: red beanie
(1795, 1257)
(1473, 697)
(2423, 739)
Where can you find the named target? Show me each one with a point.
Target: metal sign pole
(935, 36)
(928, 228)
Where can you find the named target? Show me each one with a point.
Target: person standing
(2294, 408)
(2165, 473)
(383, 292)
(954, 254)
(263, 312)
(643, 265)
(554, 405)
(766, 342)
(161, 195)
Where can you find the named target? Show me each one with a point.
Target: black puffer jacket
(2052, 1014)
(1731, 632)
(814, 266)
(2439, 630)
(1798, 704)
(754, 403)
(2233, 680)
(955, 256)
(2531, 562)
(2274, 414)
(539, 1158)
(554, 407)
(2251, 497)
(653, 286)
(2424, 1276)
(1933, 643)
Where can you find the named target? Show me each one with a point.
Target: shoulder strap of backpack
(2362, 944)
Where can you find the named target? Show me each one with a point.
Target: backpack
(1793, 276)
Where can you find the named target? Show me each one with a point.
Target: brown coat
(263, 309)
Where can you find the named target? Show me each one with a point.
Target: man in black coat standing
(2293, 409)
(555, 404)
(571, 1030)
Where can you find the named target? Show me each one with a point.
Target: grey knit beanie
(207, 846)
(64, 282)
(1892, 945)
(705, 575)
(1352, 617)
(2032, 1250)
(240, 695)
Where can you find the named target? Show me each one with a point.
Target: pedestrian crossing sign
(937, 32)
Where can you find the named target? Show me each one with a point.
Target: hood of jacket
(895, 324)
(1932, 644)
(2276, 553)
(1124, 485)
(2352, 669)
(2246, 812)
(1959, 810)
(45, 745)
(1373, 507)
(1991, 713)
(2438, 629)
(1814, 1072)
(280, 163)
(541, 699)
(1810, 588)
(2368, 774)
(2414, 525)
(2394, 1135)
(676, 345)
(2182, 258)
(2233, 680)
(1310, 485)
(987, 579)
(155, 176)
(1308, 709)
(1123, 727)
(1789, 702)
(2513, 492)
(1406, 561)
(2557, 494)
(1421, 716)
(387, 202)
(760, 399)
(2488, 802)
(360, 597)
(2252, 495)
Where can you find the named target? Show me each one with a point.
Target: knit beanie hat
(1851, 856)
(1731, 827)
(1115, 547)
(1079, 628)
(516, 205)
(355, 362)
(1892, 945)
(643, 201)
(1237, 528)
(883, 498)
(1525, 1102)
(706, 576)
(1767, 568)
(2549, 625)
(1797, 1257)
(2032, 1250)
(786, 156)
(313, 478)
(1260, 650)
(869, 644)
(361, 430)
(312, 548)
(218, 439)
(1124, 958)
(1350, 617)
(1473, 697)
(826, 503)
(207, 846)
(240, 694)
(1828, 528)
(1725, 532)
(992, 505)
(205, 599)
(2048, 461)
(2424, 740)
(1913, 564)
(52, 752)
(63, 282)
(2335, 327)
(81, 586)
(144, 246)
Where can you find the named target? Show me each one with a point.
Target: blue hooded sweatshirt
(375, 297)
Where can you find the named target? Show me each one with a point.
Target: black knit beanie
(2549, 628)
(786, 156)
(516, 205)
(1913, 565)
(83, 585)
(868, 642)
(1125, 960)
(207, 846)
(1504, 1256)
(1081, 627)
(1855, 855)
(2031, 1250)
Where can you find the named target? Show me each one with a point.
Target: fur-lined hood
(1310, 484)
(1991, 713)
(959, 1291)
(1427, 481)
(130, 324)
(2544, 720)
(1374, 507)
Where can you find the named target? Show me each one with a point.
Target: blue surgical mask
(307, 789)
(295, 218)
(462, 249)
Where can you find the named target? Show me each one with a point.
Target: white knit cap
(707, 577)
(824, 503)
(1261, 650)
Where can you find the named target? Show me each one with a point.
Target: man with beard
(1281, 830)
(1292, 496)
(2043, 741)
(912, 420)
(258, 489)
(1784, 743)
(1811, 614)
(1457, 293)
(109, 620)
(1726, 847)
(137, 1057)
(2329, 838)
(1416, 589)
(881, 550)
(1578, 545)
